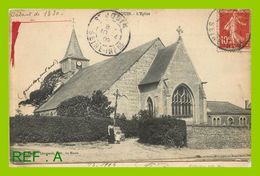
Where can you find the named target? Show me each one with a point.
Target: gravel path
(128, 151)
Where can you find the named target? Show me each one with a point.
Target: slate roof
(99, 76)
(73, 49)
(159, 64)
(224, 107)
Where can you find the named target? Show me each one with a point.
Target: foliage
(51, 79)
(18, 112)
(164, 131)
(143, 115)
(39, 96)
(83, 106)
(128, 127)
(42, 129)
(75, 107)
(57, 129)
(100, 104)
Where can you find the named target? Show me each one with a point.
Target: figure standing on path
(111, 134)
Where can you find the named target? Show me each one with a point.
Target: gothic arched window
(182, 102)
(150, 105)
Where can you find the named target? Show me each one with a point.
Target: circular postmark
(229, 29)
(108, 33)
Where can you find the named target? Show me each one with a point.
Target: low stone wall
(200, 137)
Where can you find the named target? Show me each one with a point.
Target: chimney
(247, 104)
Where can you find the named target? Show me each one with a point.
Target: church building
(161, 79)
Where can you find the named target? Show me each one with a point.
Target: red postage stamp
(234, 29)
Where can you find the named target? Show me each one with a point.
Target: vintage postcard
(130, 88)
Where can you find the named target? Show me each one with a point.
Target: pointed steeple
(73, 49)
(73, 59)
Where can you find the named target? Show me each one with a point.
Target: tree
(39, 96)
(83, 106)
(100, 104)
(74, 107)
(18, 112)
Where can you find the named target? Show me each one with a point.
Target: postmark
(108, 33)
(229, 29)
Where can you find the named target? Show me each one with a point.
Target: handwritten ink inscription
(35, 13)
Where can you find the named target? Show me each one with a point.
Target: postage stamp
(82, 95)
(108, 32)
(229, 29)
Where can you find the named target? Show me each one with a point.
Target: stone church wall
(152, 91)
(181, 71)
(66, 66)
(127, 84)
(74, 68)
(204, 137)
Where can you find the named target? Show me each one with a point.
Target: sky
(39, 44)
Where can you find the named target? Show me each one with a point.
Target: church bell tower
(73, 59)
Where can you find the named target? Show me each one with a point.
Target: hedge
(63, 129)
(163, 131)
(128, 127)
(57, 129)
